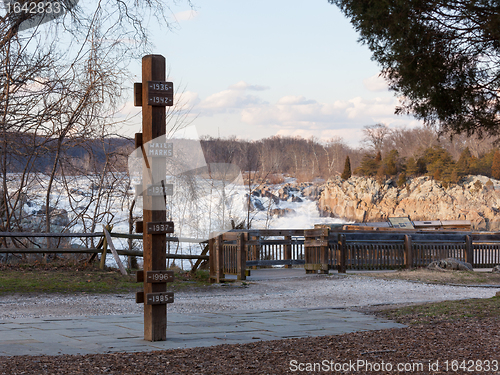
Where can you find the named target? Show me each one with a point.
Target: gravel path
(298, 292)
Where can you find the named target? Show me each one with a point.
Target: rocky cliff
(360, 199)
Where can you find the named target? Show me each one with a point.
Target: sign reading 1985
(160, 93)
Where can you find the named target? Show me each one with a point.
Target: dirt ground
(463, 347)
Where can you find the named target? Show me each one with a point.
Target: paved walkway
(124, 333)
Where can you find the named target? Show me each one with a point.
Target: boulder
(284, 192)
(258, 204)
(268, 194)
(450, 264)
(280, 212)
(496, 269)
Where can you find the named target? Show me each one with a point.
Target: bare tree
(62, 83)
(375, 136)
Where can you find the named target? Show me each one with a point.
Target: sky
(255, 69)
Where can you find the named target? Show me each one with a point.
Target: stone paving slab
(124, 333)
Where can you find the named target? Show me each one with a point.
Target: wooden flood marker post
(154, 94)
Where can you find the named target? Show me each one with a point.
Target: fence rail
(321, 249)
(102, 247)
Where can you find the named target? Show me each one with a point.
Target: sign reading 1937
(160, 227)
(160, 93)
(160, 189)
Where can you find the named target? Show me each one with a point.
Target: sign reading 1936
(160, 93)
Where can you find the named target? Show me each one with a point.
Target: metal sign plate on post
(161, 298)
(160, 93)
(159, 276)
(156, 190)
(160, 227)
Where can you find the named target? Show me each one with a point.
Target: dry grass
(63, 278)
(441, 277)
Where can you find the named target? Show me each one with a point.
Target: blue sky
(271, 67)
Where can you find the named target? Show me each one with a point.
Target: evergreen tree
(381, 176)
(411, 167)
(483, 164)
(495, 166)
(442, 56)
(421, 166)
(463, 166)
(368, 167)
(402, 179)
(439, 162)
(347, 169)
(391, 163)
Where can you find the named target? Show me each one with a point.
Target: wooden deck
(322, 249)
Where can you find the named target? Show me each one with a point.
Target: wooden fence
(320, 250)
(104, 246)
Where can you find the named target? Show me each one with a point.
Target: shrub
(346, 174)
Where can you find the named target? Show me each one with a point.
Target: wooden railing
(104, 246)
(320, 250)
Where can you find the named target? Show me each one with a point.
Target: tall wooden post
(343, 254)
(408, 253)
(469, 250)
(287, 254)
(241, 256)
(324, 251)
(154, 243)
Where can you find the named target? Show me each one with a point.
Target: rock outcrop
(450, 264)
(364, 199)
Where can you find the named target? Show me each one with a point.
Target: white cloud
(233, 99)
(295, 100)
(349, 135)
(293, 115)
(186, 15)
(242, 85)
(187, 99)
(375, 83)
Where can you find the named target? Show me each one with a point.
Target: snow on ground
(210, 206)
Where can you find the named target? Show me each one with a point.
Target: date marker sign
(160, 227)
(160, 93)
(160, 190)
(155, 277)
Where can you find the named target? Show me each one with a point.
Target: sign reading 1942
(160, 190)
(160, 227)
(160, 93)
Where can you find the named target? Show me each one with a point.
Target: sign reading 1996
(160, 93)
